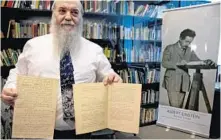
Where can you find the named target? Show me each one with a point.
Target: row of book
(27, 29)
(140, 33)
(28, 4)
(148, 115)
(91, 29)
(9, 57)
(139, 75)
(99, 30)
(103, 30)
(148, 10)
(149, 96)
(110, 7)
(121, 7)
(141, 52)
(110, 53)
(104, 6)
(143, 32)
(153, 76)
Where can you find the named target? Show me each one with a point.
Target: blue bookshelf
(192, 3)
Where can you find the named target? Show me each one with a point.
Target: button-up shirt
(38, 59)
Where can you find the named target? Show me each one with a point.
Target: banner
(190, 46)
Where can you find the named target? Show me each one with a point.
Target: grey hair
(80, 6)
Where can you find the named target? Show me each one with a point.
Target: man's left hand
(112, 78)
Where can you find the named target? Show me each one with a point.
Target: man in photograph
(177, 79)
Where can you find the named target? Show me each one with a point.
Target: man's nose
(68, 16)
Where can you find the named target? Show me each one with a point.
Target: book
(196, 65)
(116, 106)
(2, 35)
(9, 57)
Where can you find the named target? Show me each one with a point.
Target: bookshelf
(126, 42)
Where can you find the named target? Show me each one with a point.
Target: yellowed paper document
(124, 107)
(35, 107)
(116, 106)
(90, 103)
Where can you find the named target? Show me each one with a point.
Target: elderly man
(66, 55)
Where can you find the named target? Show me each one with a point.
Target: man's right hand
(9, 95)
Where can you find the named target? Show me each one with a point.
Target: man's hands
(112, 78)
(9, 95)
(209, 62)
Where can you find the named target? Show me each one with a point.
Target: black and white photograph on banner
(177, 57)
(190, 46)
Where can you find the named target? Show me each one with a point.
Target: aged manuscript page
(35, 107)
(124, 107)
(115, 106)
(90, 103)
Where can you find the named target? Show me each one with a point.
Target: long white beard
(64, 41)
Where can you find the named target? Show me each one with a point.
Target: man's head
(67, 13)
(186, 37)
(66, 22)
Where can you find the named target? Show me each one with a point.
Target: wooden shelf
(150, 105)
(157, 42)
(14, 43)
(149, 123)
(152, 2)
(154, 86)
(143, 41)
(94, 14)
(123, 65)
(104, 42)
(18, 13)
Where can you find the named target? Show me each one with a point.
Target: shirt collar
(179, 45)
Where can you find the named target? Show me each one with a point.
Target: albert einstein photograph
(189, 58)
